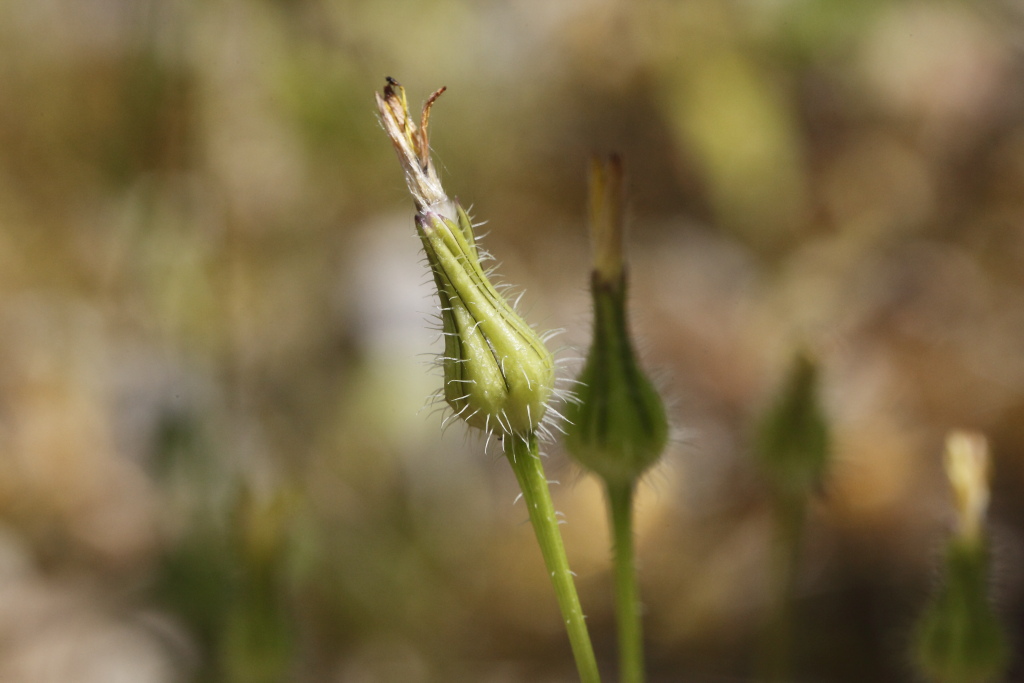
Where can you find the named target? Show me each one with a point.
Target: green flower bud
(959, 638)
(498, 375)
(793, 441)
(618, 427)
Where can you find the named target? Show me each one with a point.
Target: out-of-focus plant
(498, 374)
(617, 427)
(959, 637)
(793, 439)
(793, 448)
(228, 577)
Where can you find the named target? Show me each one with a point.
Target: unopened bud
(618, 428)
(497, 372)
(959, 637)
(794, 444)
(498, 375)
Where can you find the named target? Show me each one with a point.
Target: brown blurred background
(213, 315)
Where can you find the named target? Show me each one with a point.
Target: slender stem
(627, 596)
(778, 634)
(522, 453)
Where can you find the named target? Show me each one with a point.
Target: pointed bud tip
(607, 217)
(411, 143)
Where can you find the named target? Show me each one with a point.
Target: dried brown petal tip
(413, 148)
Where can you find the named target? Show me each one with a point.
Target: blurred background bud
(960, 638)
(616, 426)
(793, 443)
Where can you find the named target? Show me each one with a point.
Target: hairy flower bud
(498, 375)
(618, 428)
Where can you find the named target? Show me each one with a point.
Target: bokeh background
(214, 465)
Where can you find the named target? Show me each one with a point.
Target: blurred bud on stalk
(959, 637)
(793, 443)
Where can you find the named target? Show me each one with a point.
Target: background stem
(523, 455)
(627, 597)
(777, 640)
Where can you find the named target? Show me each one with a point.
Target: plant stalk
(777, 640)
(524, 456)
(627, 595)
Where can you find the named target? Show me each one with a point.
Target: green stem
(523, 455)
(778, 634)
(627, 596)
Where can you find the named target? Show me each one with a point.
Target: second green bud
(618, 428)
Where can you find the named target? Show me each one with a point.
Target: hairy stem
(627, 596)
(523, 455)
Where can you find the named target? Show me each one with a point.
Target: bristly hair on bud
(498, 375)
